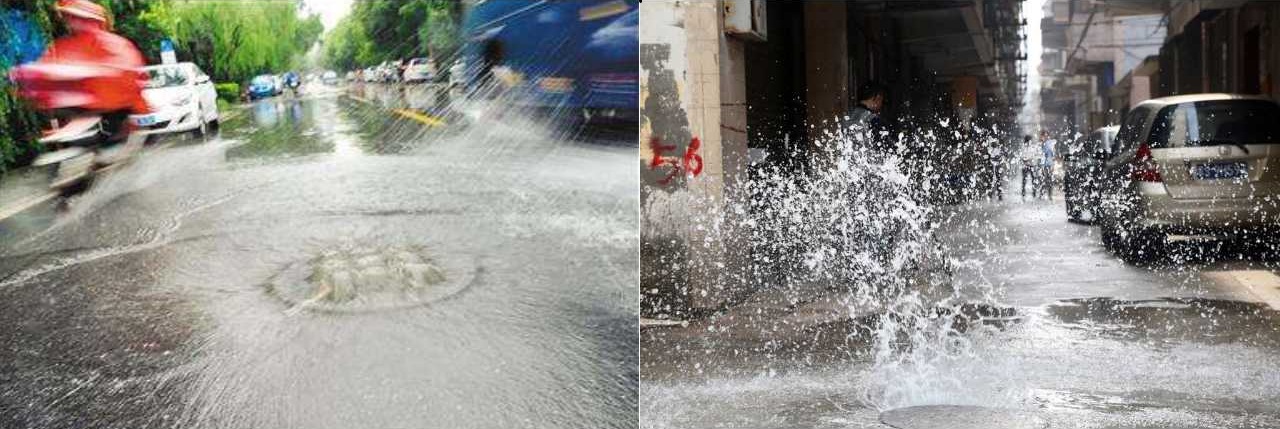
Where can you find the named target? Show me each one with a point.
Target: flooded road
(330, 263)
(1071, 337)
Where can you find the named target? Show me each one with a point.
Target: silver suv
(1204, 164)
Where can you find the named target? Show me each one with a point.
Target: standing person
(1048, 155)
(1029, 155)
(865, 115)
(996, 159)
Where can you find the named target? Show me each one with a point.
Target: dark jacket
(864, 125)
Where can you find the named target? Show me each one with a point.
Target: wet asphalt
(1069, 336)
(183, 290)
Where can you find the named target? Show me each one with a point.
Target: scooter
(81, 141)
(80, 148)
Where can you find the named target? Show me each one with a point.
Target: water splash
(857, 222)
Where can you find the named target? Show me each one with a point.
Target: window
(1131, 130)
(162, 77)
(1208, 123)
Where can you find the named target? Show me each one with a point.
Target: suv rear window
(1131, 131)
(1208, 123)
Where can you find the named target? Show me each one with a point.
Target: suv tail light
(1144, 166)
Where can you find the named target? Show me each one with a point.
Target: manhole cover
(371, 278)
(960, 417)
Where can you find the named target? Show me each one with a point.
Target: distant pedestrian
(1029, 155)
(996, 159)
(1048, 154)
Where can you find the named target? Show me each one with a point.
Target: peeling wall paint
(680, 105)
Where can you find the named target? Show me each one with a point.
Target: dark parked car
(1082, 165)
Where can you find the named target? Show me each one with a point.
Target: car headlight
(181, 101)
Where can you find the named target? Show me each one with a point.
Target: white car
(181, 98)
(419, 70)
(1198, 165)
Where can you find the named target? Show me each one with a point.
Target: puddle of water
(1173, 320)
(960, 417)
(281, 128)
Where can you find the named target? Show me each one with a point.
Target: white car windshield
(163, 77)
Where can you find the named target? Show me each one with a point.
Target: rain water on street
(327, 261)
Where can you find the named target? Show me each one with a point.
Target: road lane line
(1261, 285)
(426, 119)
(24, 204)
(417, 116)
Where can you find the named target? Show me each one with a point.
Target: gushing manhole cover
(960, 417)
(371, 278)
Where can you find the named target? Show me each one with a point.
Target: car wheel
(202, 129)
(1133, 243)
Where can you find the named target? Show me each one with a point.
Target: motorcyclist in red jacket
(91, 69)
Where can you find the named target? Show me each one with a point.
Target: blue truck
(563, 55)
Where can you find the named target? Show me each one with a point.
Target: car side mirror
(202, 79)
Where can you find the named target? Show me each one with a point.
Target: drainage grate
(370, 278)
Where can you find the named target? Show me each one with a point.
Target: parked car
(558, 56)
(1082, 161)
(419, 70)
(262, 86)
(329, 77)
(1202, 164)
(389, 71)
(182, 99)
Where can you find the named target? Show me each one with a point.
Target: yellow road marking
(417, 116)
(602, 11)
(426, 119)
(1259, 285)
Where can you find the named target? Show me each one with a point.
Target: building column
(826, 48)
(683, 186)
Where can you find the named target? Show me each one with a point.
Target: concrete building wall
(680, 102)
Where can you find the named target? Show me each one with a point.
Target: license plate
(1219, 171)
(146, 120)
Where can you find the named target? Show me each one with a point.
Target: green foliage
(141, 21)
(382, 30)
(19, 124)
(228, 91)
(236, 40)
